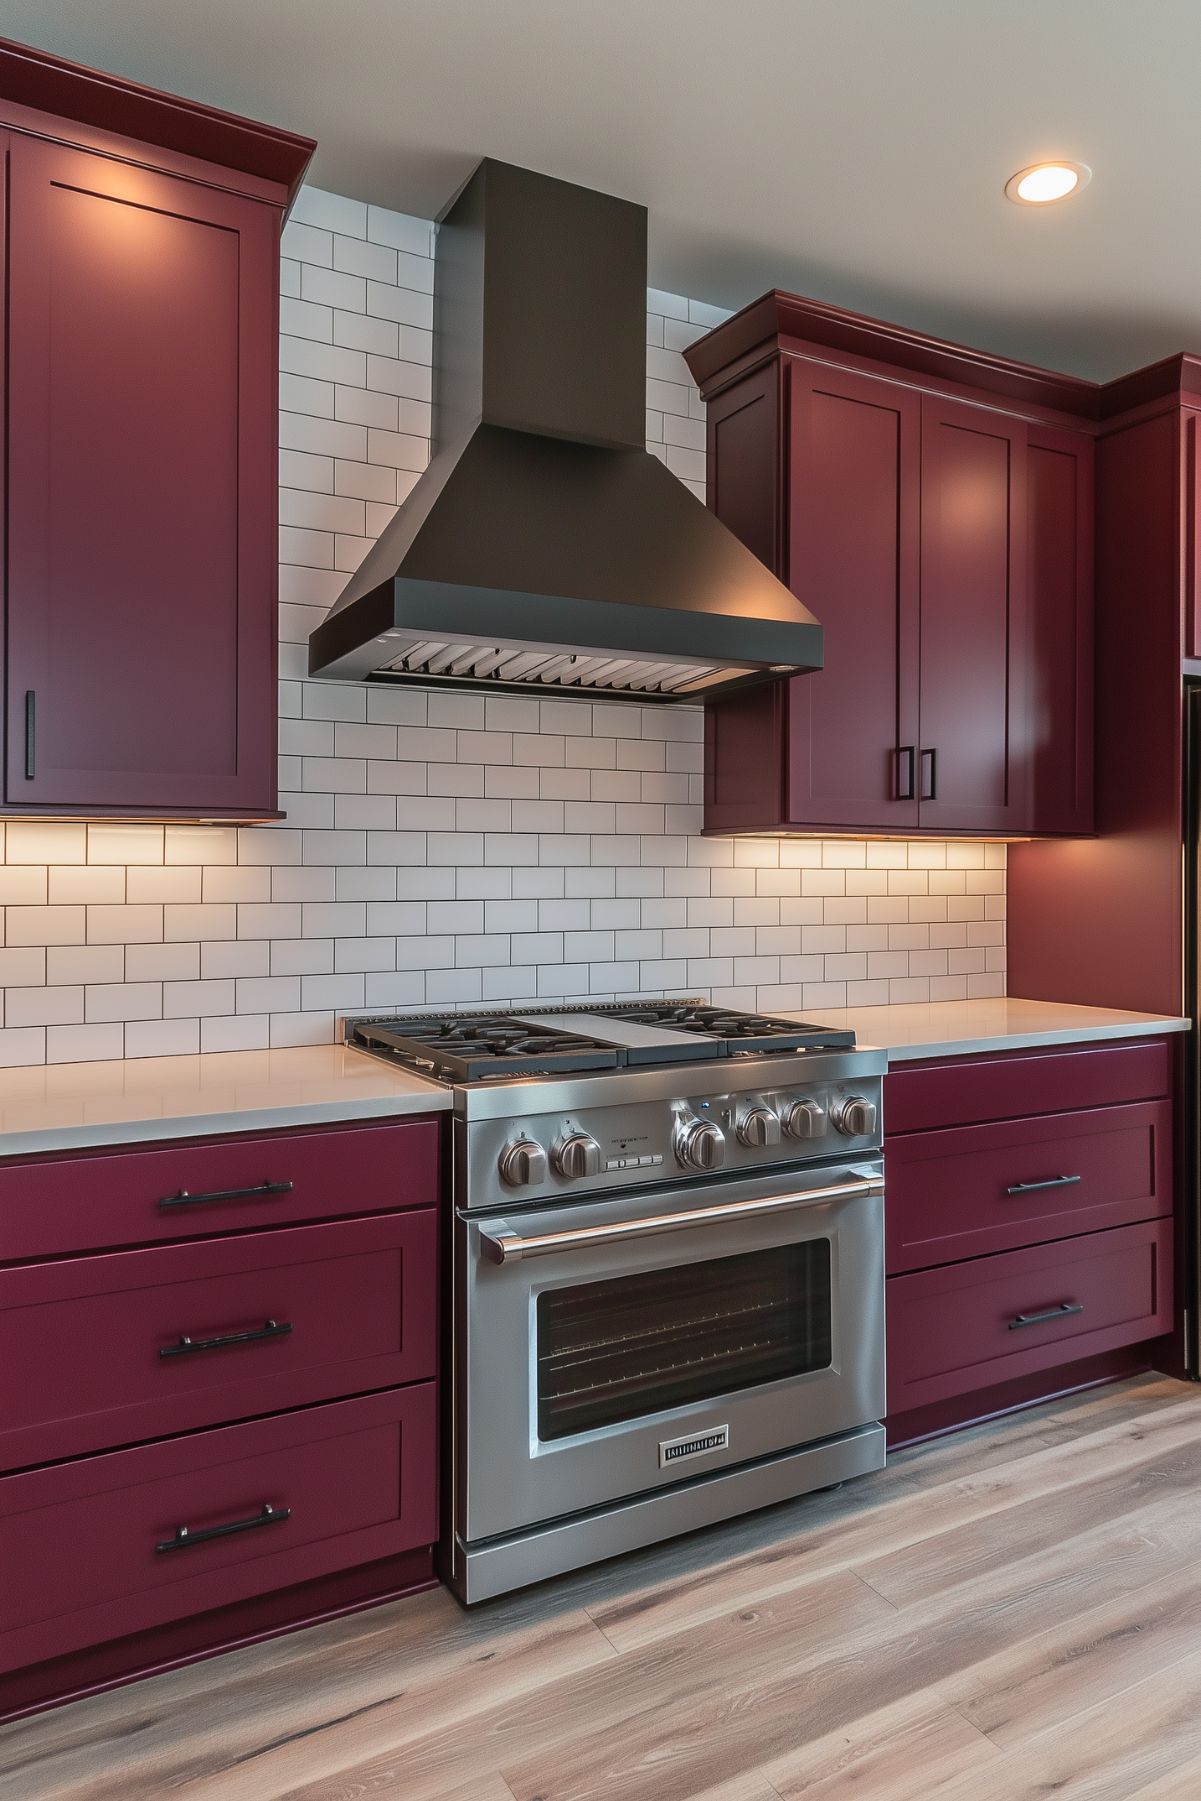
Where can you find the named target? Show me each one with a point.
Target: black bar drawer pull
(188, 1346)
(1064, 1311)
(184, 1536)
(262, 1192)
(1048, 1182)
(930, 787)
(906, 771)
(31, 732)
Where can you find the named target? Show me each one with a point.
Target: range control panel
(531, 1158)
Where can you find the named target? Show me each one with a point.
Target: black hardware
(929, 791)
(187, 1345)
(30, 731)
(184, 1536)
(1063, 1311)
(264, 1189)
(906, 756)
(1049, 1182)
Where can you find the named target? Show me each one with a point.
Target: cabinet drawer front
(78, 1541)
(978, 1189)
(952, 1331)
(62, 1206)
(102, 1351)
(967, 1090)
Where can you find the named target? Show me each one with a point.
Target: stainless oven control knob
(576, 1155)
(856, 1117)
(758, 1126)
(522, 1163)
(700, 1144)
(804, 1119)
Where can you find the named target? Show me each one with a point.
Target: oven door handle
(511, 1247)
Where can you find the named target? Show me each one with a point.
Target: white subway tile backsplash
(445, 848)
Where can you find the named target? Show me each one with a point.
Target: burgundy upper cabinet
(141, 362)
(933, 508)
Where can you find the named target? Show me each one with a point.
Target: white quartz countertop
(965, 1028)
(73, 1106)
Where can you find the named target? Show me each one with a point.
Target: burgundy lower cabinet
(1030, 1228)
(106, 1546)
(218, 1407)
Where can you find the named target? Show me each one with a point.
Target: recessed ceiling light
(1042, 183)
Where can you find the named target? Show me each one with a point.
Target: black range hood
(544, 548)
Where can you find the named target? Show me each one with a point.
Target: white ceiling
(854, 150)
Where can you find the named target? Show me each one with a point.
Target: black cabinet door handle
(929, 762)
(906, 771)
(262, 1192)
(1064, 1311)
(31, 701)
(185, 1537)
(1048, 1182)
(187, 1346)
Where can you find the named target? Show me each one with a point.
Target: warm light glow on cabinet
(1042, 183)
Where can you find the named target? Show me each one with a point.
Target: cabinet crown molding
(50, 84)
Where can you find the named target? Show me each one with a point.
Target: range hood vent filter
(547, 666)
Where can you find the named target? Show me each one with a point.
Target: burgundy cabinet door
(853, 500)
(141, 546)
(1059, 570)
(973, 761)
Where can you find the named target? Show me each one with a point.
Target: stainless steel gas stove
(668, 1273)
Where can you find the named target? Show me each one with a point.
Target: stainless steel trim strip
(478, 1572)
(518, 1096)
(511, 1247)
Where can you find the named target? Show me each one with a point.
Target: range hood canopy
(544, 547)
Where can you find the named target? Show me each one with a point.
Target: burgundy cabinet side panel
(744, 734)
(1190, 428)
(141, 597)
(1100, 922)
(853, 560)
(1060, 599)
(974, 775)
(744, 461)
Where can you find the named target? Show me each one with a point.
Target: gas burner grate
(479, 1047)
(464, 1047)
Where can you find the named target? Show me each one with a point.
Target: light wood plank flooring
(1013, 1613)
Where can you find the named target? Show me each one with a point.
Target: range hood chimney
(544, 548)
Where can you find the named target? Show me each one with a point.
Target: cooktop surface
(475, 1047)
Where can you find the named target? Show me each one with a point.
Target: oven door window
(632, 1345)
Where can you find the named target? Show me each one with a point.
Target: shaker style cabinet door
(1059, 607)
(141, 494)
(853, 513)
(973, 765)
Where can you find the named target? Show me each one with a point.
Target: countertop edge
(106, 1134)
(932, 1050)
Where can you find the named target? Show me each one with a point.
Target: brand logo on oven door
(701, 1444)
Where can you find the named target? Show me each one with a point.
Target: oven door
(613, 1347)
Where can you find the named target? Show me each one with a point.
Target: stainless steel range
(668, 1273)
